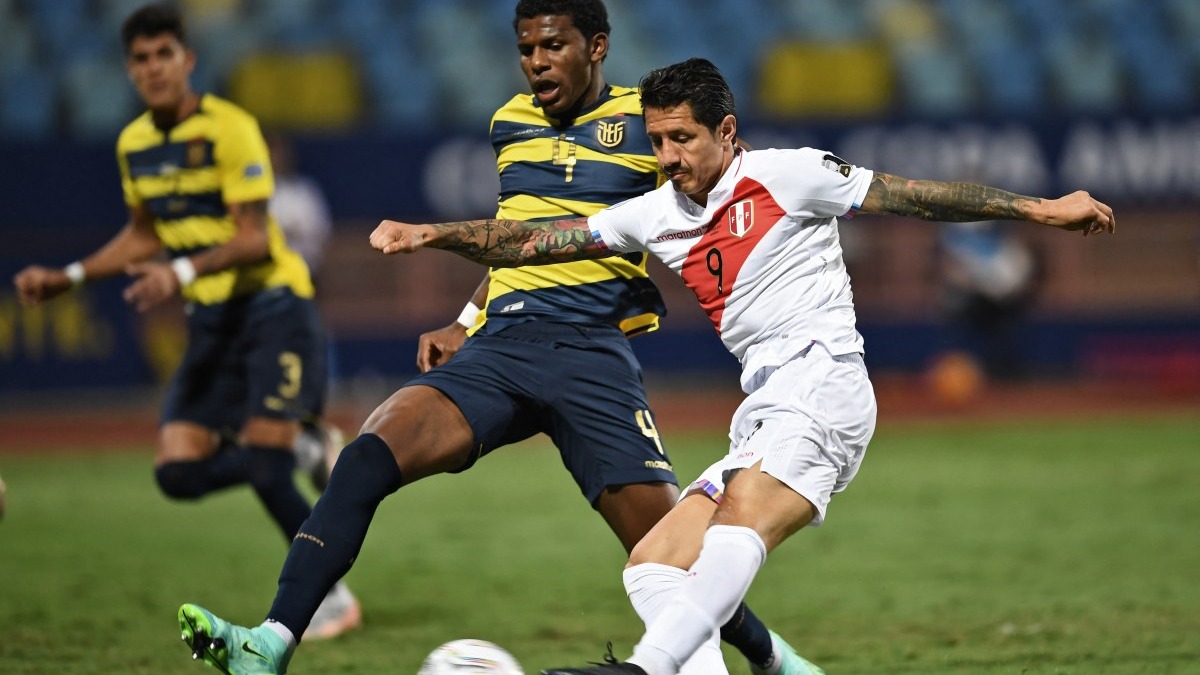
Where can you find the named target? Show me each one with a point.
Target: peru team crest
(610, 134)
(741, 217)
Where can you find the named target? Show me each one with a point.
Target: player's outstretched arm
(136, 241)
(496, 242)
(961, 202)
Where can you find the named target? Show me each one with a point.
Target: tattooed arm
(960, 202)
(495, 242)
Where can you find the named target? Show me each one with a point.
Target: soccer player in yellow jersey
(548, 353)
(196, 178)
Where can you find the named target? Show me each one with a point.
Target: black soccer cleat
(611, 668)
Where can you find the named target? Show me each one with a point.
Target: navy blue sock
(329, 541)
(192, 480)
(271, 477)
(749, 635)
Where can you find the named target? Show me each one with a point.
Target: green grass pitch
(1019, 547)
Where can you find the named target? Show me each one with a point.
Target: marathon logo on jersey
(610, 134)
(686, 234)
(741, 217)
(835, 163)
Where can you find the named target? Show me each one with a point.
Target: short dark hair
(696, 82)
(153, 20)
(589, 16)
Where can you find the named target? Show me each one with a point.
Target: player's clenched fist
(36, 283)
(1079, 211)
(396, 237)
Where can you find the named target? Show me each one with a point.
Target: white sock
(283, 632)
(650, 586)
(706, 599)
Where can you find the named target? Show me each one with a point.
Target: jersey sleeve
(128, 189)
(245, 165)
(832, 187)
(621, 227)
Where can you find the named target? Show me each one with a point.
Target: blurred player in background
(299, 206)
(196, 179)
(754, 235)
(989, 280)
(549, 352)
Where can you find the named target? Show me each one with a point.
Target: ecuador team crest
(610, 134)
(741, 217)
(197, 152)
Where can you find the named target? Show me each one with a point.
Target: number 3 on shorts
(646, 424)
(292, 368)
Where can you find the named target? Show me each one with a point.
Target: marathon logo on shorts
(741, 217)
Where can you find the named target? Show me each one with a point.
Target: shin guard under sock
(729, 559)
(650, 585)
(329, 541)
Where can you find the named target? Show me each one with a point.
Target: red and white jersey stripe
(763, 256)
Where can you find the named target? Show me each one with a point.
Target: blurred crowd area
(385, 105)
(408, 64)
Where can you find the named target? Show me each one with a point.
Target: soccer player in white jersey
(754, 235)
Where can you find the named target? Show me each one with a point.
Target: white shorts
(809, 424)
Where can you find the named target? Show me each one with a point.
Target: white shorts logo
(741, 217)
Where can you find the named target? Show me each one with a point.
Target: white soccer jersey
(763, 257)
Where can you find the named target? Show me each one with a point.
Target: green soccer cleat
(233, 650)
(790, 663)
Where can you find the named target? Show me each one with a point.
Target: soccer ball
(470, 657)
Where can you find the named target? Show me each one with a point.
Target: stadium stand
(942, 57)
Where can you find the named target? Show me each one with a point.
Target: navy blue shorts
(261, 355)
(580, 384)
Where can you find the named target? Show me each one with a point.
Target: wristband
(185, 271)
(75, 273)
(470, 312)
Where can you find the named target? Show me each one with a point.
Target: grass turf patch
(1034, 548)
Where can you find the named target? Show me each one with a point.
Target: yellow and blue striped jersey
(549, 172)
(188, 175)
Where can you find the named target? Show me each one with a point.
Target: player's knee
(642, 555)
(181, 480)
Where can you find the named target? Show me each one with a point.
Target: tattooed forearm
(952, 202)
(510, 243)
